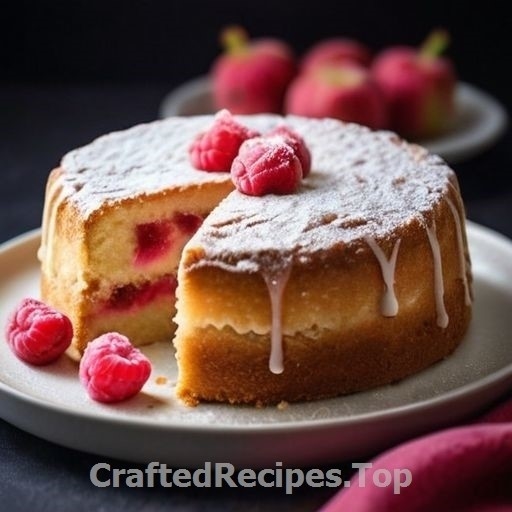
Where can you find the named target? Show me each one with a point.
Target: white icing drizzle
(276, 284)
(442, 315)
(462, 215)
(389, 303)
(462, 256)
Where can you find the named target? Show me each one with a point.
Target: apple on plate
(419, 87)
(346, 92)
(335, 50)
(251, 76)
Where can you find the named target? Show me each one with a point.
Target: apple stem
(435, 44)
(234, 39)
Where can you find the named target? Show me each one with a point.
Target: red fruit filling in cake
(153, 240)
(188, 223)
(131, 296)
(156, 239)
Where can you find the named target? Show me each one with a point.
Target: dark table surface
(38, 124)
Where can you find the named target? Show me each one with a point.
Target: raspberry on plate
(266, 165)
(297, 143)
(37, 333)
(215, 149)
(112, 369)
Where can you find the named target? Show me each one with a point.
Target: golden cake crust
(336, 339)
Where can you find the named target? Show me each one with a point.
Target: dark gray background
(72, 70)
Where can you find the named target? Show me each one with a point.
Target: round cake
(358, 279)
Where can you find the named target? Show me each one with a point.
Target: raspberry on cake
(266, 165)
(215, 149)
(297, 143)
(356, 277)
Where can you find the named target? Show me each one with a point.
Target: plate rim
(294, 426)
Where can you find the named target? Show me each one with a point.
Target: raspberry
(297, 143)
(215, 149)
(266, 165)
(37, 333)
(112, 369)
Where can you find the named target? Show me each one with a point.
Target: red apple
(335, 51)
(419, 87)
(251, 76)
(345, 92)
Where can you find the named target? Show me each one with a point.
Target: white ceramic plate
(479, 122)
(50, 402)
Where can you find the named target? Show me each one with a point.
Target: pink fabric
(462, 469)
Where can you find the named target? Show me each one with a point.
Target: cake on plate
(359, 278)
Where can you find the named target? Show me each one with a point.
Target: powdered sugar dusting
(145, 159)
(362, 183)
